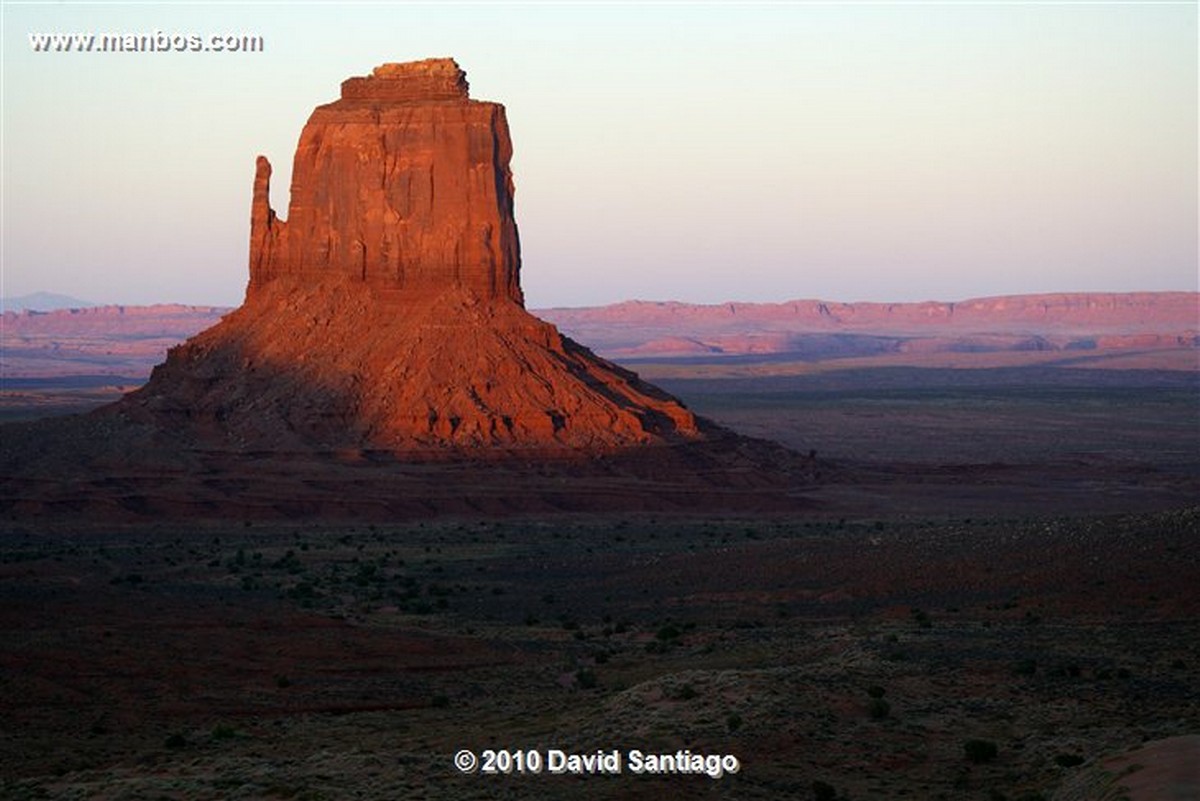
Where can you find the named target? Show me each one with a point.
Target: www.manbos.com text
(156, 42)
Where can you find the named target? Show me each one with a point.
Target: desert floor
(1008, 558)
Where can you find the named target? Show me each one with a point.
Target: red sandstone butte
(403, 184)
(386, 312)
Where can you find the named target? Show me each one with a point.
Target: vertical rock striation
(402, 184)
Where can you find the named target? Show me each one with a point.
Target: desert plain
(996, 553)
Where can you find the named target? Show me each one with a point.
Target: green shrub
(980, 751)
(667, 632)
(686, 693)
(879, 709)
(223, 732)
(823, 791)
(1025, 667)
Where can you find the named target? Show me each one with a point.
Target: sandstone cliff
(386, 311)
(402, 184)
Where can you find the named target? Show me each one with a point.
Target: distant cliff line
(1114, 307)
(129, 339)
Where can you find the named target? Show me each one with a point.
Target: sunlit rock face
(402, 184)
(386, 312)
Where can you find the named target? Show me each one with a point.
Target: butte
(383, 329)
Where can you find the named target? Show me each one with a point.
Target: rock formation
(386, 312)
(402, 184)
(383, 364)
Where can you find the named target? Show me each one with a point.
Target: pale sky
(702, 153)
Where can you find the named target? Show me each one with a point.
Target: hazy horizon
(52, 301)
(694, 153)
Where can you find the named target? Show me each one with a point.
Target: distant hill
(816, 329)
(43, 301)
(1143, 329)
(125, 341)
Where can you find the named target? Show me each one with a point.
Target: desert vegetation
(306, 660)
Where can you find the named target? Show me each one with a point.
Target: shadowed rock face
(386, 312)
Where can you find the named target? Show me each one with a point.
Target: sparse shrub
(1025, 667)
(1068, 760)
(586, 679)
(303, 590)
(283, 682)
(223, 732)
(980, 751)
(733, 722)
(879, 709)
(686, 693)
(439, 701)
(1066, 671)
(668, 632)
(875, 691)
(921, 618)
(176, 741)
(823, 791)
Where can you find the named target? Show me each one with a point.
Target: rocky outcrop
(402, 184)
(386, 311)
